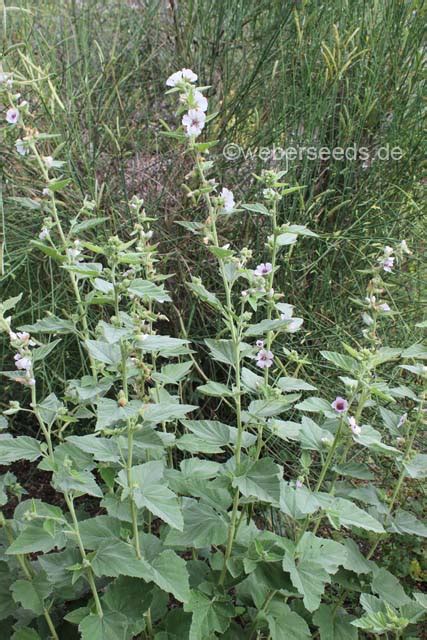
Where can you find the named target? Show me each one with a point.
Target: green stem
(236, 357)
(80, 305)
(86, 563)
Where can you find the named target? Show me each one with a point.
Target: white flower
(173, 80)
(23, 104)
(384, 307)
(244, 293)
(22, 362)
(21, 147)
(388, 251)
(228, 198)
(264, 358)
(194, 121)
(298, 484)
(260, 344)
(263, 269)
(48, 160)
(189, 75)
(354, 426)
(44, 233)
(404, 247)
(46, 191)
(4, 77)
(201, 101)
(12, 116)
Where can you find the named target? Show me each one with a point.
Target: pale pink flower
(298, 484)
(260, 344)
(387, 264)
(21, 147)
(263, 269)
(12, 116)
(384, 307)
(193, 122)
(354, 426)
(201, 101)
(340, 405)
(264, 358)
(22, 362)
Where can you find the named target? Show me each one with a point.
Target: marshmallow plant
(199, 532)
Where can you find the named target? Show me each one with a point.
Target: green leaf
(312, 436)
(50, 324)
(150, 492)
(102, 449)
(172, 373)
(155, 413)
(25, 633)
(334, 624)
(112, 626)
(285, 239)
(49, 251)
(406, 522)
(388, 588)
(104, 352)
(314, 405)
(284, 429)
(165, 345)
(263, 327)
(256, 208)
(215, 389)
(40, 353)
(347, 513)
(31, 593)
(222, 351)
(148, 291)
(203, 527)
(210, 614)
(260, 479)
(417, 351)
(203, 294)
(109, 412)
(371, 438)
(417, 466)
(285, 623)
(294, 384)
(346, 363)
(20, 448)
(310, 564)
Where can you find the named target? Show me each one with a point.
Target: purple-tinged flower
(298, 484)
(387, 264)
(354, 426)
(264, 358)
(260, 344)
(228, 199)
(12, 116)
(384, 307)
(44, 233)
(21, 147)
(340, 405)
(263, 269)
(403, 418)
(22, 362)
(193, 122)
